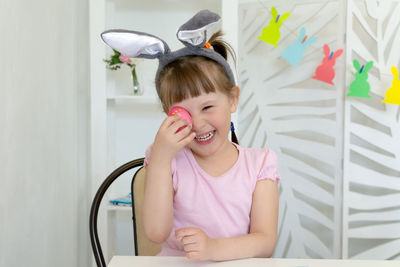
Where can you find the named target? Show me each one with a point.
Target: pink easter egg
(184, 115)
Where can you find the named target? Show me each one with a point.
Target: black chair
(145, 246)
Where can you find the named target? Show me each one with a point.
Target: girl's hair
(190, 76)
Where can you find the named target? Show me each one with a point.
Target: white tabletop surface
(132, 261)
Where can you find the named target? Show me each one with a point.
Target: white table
(144, 261)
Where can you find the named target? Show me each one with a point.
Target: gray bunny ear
(194, 31)
(135, 44)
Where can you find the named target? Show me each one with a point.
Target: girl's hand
(169, 141)
(196, 243)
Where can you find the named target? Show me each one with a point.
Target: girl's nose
(198, 123)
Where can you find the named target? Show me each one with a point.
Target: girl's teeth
(206, 137)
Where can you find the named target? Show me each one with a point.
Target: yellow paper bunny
(271, 34)
(393, 93)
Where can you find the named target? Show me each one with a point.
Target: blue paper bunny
(294, 52)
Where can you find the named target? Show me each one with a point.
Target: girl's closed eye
(207, 107)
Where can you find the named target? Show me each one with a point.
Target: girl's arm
(260, 242)
(158, 197)
(158, 192)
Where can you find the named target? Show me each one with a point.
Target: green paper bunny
(360, 87)
(270, 33)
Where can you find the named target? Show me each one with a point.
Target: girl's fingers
(189, 138)
(186, 231)
(193, 255)
(179, 125)
(170, 120)
(182, 133)
(190, 239)
(191, 247)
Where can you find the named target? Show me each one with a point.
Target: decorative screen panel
(300, 118)
(371, 197)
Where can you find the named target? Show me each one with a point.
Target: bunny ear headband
(193, 34)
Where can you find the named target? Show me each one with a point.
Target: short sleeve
(147, 156)
(269, 166)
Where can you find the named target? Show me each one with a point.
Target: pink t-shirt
(220, 206)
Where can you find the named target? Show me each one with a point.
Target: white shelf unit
(124, 125)
(151, 100)
(119, 208)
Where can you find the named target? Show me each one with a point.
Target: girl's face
(211, 115)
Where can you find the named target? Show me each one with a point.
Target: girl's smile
(205, 139)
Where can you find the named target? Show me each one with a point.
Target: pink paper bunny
(325, 71)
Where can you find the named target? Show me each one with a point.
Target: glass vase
(137, 90)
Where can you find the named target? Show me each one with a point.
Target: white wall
(43, 137)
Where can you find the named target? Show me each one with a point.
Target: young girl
(205, 197)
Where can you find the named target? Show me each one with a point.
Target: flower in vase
(116, 60)
(125, 59)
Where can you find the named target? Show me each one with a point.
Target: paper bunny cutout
(270, 33)
(393, 93)
(294, 52)
(325, 71)
(360, 87)
(193, 34)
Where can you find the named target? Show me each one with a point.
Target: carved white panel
(300, 118)
(371, 203)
